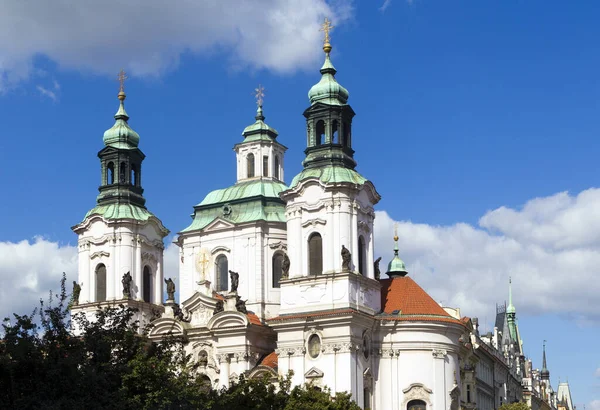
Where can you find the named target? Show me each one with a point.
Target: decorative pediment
(217, 249)
(228, 319)
(164, 326)
(314, 222)
(362, 225)
(218, 224)
(278, 246)
(99, 254)
(313, 373)
(417, 391)
(201, 308)
(149, 257)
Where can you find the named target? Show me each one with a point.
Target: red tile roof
(270, 360)
(253, 319)
(410, 301)
(218, 296)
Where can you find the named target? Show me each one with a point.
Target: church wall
(249, 251)
(124, 247)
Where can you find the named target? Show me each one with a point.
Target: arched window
(334, 130)
(147, 284)
(100, 283)
(250, 165)
(205, 383)
(265, 166)
(315, 254)
(133, 178)
(346, 135)
(122, 173)
(361, 256)
(320, 132)
(416, 405)
(276, 168)
(277, 263)
(222, 271)
(110, 173)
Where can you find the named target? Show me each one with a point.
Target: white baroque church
(275, 277)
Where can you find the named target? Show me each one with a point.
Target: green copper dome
(259, 130)
(396, 267)
(121, 135)
(328, 90)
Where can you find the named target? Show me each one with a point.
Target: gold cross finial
(326, 28)
(122, 77)
(396, 231)
(259, 94)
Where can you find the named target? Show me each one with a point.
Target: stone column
(354, 235)
(112, 271)
(224, 369)
(138, 268)
(158, 280)
(85, 274)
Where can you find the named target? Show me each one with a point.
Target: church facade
(273, 277)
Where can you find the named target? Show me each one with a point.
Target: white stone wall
(249, 250)
(259, 149)
(122, 247)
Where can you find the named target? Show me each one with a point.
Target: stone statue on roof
(126, 281)
(376, 268)
(346, 258)
(170, 289)
(235, 280)
(75, 294)
(285, 267)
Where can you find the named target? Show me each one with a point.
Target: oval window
(314, 346)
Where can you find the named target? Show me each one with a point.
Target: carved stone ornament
(417, 391)
(223, 357)
(313, 373)
(278, 246)
(439, 353)
(99, 254)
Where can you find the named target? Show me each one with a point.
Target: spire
(545, 373)
(259, 130)
(121, 135)
(511, 307)
(121, 159)
(328, 90)
(396, 268)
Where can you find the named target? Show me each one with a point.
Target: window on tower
(277, 264)
(361, 256)
(320, 132)
(122, 173)
(100, 283)
(315, 254)
(334, 130)
(276, 168)
(416, 405)
(265, 166)
(110, 173)
(147, 284)
(346, 135)
(250, 165)
(222, 272)
(133, 178)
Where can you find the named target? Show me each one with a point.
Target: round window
(314, 346)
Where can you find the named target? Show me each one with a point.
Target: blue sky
(477, 121)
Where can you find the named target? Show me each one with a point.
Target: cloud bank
(148, 37)
(550, 247)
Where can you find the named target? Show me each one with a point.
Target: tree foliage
(110, 364)
(514, 406)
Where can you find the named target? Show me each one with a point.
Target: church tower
(328, 300)
(241, 228)
(120, 240)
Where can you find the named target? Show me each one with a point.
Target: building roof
(330, 175)
(270, 360)
(403, 299)
(253, 319)
(121, 135)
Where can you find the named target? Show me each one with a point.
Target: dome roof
(121, 135)
(396, 267)
(328, 90)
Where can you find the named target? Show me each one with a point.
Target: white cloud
(29, 270)
(148, 37)
(597, 373)
(550, 248)
(385, 5)
(47, 93)
(594, 405)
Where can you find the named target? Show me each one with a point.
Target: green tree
(514, 406)
(110, 364)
